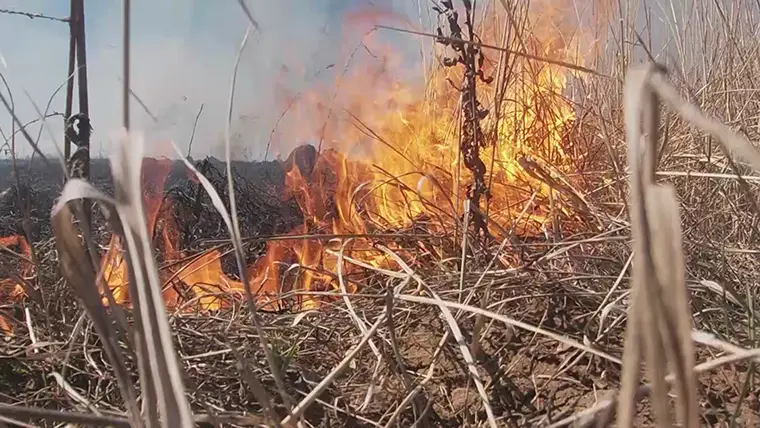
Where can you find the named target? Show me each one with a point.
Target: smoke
(183, 53)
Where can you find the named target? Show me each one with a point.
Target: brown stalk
(78, 271)
(70, 81)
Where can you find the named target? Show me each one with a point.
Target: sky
(183, 53)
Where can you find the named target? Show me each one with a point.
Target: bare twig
(497, 48)
(192, 135)
(301, 407)
(31, 15)
(126, 40)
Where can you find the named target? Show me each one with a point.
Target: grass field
(618, 284)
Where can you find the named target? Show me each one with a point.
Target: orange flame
(394, 157)
(11, 290)
(115, 271)
(389, 162)
(201, 280)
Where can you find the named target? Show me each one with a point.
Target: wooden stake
(81, 53)
(70, 77)
(126, 35)
(84, 105)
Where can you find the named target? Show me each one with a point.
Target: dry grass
(557, 338)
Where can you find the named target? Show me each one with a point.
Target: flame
(393, 158)
(200, 280)
(205, 277)
(115, 271)
(405, 146)
(11, 290)
(389, 158)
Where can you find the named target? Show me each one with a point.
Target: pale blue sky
(183, 53)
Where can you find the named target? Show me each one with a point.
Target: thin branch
(125, 72)
(497, 48)
(192, 135)
(32, 15)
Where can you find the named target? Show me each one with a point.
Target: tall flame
(390, 152)
(115, 271)
(389, 157)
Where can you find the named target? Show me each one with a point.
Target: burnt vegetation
(451, 319)
(470, 56)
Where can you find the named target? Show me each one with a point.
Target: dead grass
(644, 313)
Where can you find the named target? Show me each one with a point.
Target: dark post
(473, 112)
(81, 53)
(70, 77)
(126, 36)
(84, 109)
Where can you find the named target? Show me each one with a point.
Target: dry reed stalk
(659, 310)
(359, 323)
(659, 321)
(231, 222)
(79, 272)
(455, 331)
(164, 399)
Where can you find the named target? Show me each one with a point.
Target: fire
(205, 277)
(201, 277)
(389, 158)
(403, 141)
(113, 265)
(395, 145)
(391, 151)
(201, 281)
(11, 290)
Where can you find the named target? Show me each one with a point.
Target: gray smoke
(183, 52)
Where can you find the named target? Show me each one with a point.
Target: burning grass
(375, 304)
